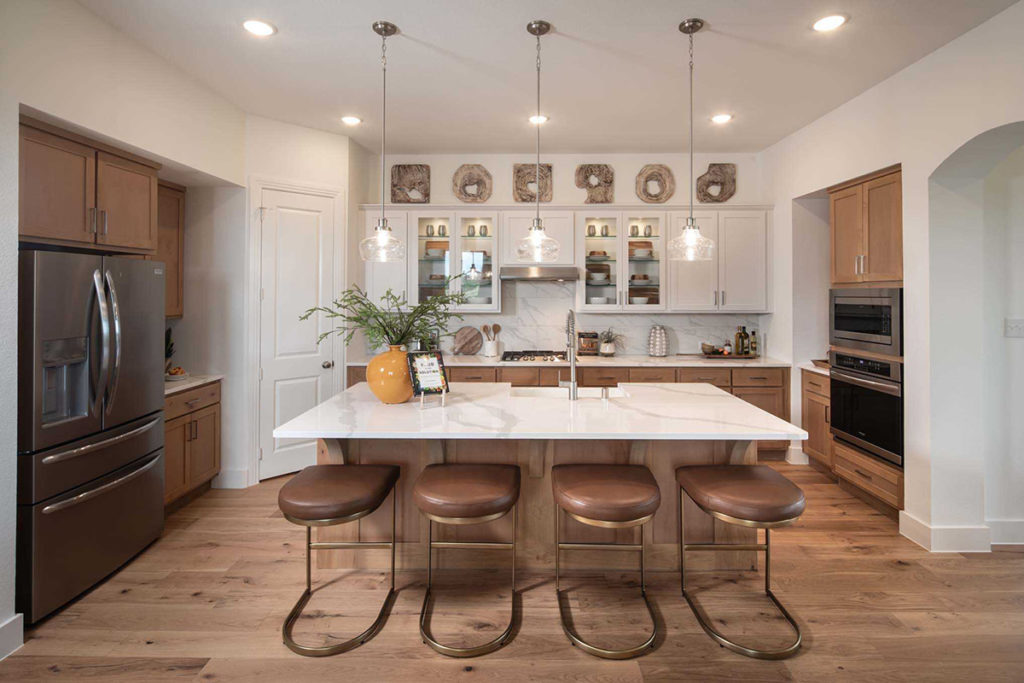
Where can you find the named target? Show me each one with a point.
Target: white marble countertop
(807, 365)
(497, 411)
(193, 381)
(678, 361)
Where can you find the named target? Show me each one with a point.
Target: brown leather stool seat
(753, 493)
(327, 492)
(606, 493)
(464, 491)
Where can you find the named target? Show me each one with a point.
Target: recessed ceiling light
(721, 118)
(259, 28)
(351, 120)
(830, 23)
(538, 119)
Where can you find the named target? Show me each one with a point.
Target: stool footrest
(478, 545)
(349, 545)
(724, 546)
(600, 546)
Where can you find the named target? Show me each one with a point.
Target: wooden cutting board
(468, 341)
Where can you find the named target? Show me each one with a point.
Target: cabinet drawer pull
(763, 379)
(192, 402)
(866, 476)
(706, 379)
(815, 384)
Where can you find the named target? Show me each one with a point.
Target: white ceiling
(461, 72)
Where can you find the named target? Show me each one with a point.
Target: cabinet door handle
(723, 297)
(716, 297)
(106, 222)
(91, 223)
(828, 415)
(195, 429)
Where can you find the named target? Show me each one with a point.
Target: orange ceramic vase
(388, 376)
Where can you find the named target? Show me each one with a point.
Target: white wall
(918, 117)
(625, 166)
(811, 282)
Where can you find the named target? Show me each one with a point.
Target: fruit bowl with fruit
(176, 374)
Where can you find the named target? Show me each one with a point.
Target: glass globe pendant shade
(382, 246)
(537, 246)
(473, 275)
(691, 245)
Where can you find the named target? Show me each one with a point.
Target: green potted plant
(393, 323)
(609, 340)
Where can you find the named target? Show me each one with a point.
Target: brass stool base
(474, 651)
(563, 605)
(327, 650)
(781, 653)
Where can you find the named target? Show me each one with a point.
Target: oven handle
(884, 387)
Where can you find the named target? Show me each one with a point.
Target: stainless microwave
(867, 319)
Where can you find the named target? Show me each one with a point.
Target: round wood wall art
(655, 184)
(410, 184)
(472, 183)
(468, 341)
(718, 184)
(599, 182)
(523, 175)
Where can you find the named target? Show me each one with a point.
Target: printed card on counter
(426, 369)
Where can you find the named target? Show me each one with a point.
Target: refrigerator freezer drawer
(69, 543)
(48, 473)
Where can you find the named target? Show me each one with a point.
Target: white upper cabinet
(737, 278)
(476, 259)
(623, 257)
(557, 224)
(693, 286)
(743, 261)
(383, 276)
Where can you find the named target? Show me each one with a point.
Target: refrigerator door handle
(84, 450)
(99, 490)
(115, 371)
(101, 303)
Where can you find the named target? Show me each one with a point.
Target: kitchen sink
(563, 392)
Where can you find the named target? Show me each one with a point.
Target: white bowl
(642, 253)
(597, 300)
(479, 299)
(599, 277)
(435, 252)
(639, 299)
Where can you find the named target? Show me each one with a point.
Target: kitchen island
(662, 426)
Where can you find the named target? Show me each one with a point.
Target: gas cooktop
(529, 356)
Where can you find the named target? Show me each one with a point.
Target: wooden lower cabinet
(816, 411)
(602, 377)
(881, 480)
(652, 375)
(191, 441)
(519, 377)
(354, 374)
(472, 375)
(771, 400)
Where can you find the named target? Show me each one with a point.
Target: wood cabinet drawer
(652, 375)
(549, 377)
(816, 383)
(354, 374)
(602, 377)
(720, 377)
(520, 377)
(471, 375)
(757, 377)
(882, 481)
(193, 399)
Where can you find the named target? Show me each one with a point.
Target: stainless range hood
(540, 273)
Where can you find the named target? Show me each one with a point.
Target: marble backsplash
(533, 317)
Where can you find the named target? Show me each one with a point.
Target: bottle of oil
(737, 343)
(753, 342)
(745, 338)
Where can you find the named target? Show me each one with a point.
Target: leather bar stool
(461, 494)
(611, 497)
(325, 495)
(747, 495)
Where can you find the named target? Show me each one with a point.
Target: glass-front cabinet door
(430, 254)
(643, 268)
(598, 237)
(476, 242)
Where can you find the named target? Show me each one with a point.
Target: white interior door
(297, 273)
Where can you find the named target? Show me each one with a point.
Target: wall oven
(867, 404)
(867, 319)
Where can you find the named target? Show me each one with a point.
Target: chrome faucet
(570, 334)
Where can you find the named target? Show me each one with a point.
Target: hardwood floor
(207, 600)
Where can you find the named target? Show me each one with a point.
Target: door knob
(327, 364)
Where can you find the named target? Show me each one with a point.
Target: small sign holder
(426, 370)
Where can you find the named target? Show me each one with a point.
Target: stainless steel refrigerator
(90, 420)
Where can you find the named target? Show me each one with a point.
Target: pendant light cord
(383, 118)
(537, 168)
(691, 128)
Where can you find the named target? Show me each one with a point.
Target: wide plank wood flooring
(206, 603)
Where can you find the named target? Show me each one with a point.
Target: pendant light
(382, 246)
(537, 246)
(691, 245)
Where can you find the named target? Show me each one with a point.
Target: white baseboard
(795, 456)
(1006, 531)
(12, 635)
(231, 479)
(946, 539)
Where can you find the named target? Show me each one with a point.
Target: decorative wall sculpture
(599, 182)
(655, 184)
(718, 184)
(410, 184)
(472, 183)
(523, 175)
